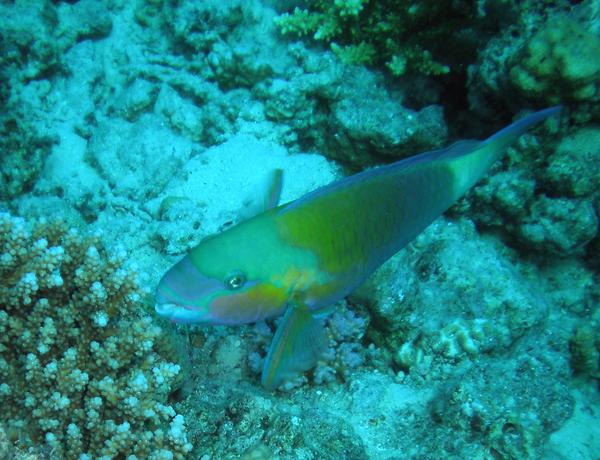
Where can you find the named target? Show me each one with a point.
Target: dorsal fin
(263, 197)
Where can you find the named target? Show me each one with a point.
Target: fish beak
(163, 306)
(165, 309)
(183, 293)
(178, 314)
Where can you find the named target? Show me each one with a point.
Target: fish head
(224, 280)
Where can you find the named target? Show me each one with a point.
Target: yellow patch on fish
(295, 279)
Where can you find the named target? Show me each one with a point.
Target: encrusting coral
(80, 366)
(559, 63)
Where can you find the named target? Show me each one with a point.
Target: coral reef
(406, 37)
(370, 125)
(573, 168)
(236, 422)
(508, 421)
(559, 225)
(545, 57)
(558, 63)
(544, 202)
(446, 311)
(24, 150)
(345, 352)
(369, 122)
(11, 452)
(82, 366)
(134, 167)
(35, 38)
(149, 121)
(295, 94)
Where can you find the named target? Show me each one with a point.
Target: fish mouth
(184, 285)
(179, 314)
(164, 302)
(165, 309)
(178, 310)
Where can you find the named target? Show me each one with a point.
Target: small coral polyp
(75, 346)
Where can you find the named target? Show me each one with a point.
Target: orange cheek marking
(262, 296)
(266, 293)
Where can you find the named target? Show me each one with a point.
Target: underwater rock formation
(545, 202)
(559, 63)
(543, 56)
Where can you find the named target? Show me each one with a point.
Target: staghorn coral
(398, 34)
(80, 366)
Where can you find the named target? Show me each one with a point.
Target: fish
(298, 259)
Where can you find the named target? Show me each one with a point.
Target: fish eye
(235, 280)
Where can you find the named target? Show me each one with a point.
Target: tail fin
(470, 168)
(508, 135)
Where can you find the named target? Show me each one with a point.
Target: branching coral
(10, 452)
(79, 363)
(407, 37)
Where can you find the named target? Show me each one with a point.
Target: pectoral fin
(299, 341)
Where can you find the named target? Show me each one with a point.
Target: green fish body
(299, 258)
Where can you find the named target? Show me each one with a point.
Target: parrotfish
(299, 258)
